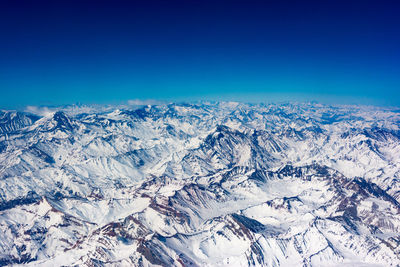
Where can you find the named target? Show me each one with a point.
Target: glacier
(200, 184)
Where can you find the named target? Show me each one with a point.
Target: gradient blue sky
(64, 52)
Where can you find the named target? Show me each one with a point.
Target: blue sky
(64, 52)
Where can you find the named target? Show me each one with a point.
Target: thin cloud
(40, 111)
(139, 102)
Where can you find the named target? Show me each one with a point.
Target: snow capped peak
(62, 120)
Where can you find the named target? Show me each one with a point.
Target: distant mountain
(207, 184)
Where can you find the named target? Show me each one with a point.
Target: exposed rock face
(201, 185)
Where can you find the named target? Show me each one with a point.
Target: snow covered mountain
(209, 184)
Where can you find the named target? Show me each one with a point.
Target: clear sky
(64, 52)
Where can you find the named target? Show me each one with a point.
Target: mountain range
(200, 184)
